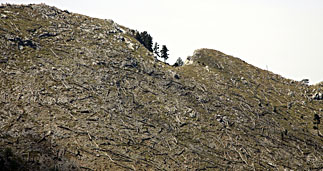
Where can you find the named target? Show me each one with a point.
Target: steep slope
(79, 93)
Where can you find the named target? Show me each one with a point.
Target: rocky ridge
(80, 93)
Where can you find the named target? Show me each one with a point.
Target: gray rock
(317, 96)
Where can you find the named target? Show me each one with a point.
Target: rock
(188, 61)
(317, 96)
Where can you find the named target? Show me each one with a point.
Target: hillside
(81, 93)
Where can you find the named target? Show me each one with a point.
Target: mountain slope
(80, 93)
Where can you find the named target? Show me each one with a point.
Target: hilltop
(81, 93)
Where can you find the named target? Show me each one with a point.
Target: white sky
(285, 35)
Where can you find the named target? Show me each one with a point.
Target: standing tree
(145, 39)
(179, 62)
(156, 49)
(164, 53)
(138, 37)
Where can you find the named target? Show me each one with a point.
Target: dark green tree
(138, 37)
(179, 62)
(156, 49)
(145, 39)
(163, 53)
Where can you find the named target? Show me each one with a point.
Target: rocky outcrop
(80, 93)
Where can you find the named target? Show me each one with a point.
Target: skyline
(284, 36)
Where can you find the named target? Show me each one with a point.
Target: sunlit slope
(80, 93)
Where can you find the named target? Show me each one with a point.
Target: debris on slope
(80, 93)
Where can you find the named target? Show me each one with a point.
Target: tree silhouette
(138, 37)
(156, 49)
(179, 62)
(164, 53)
(145, 39)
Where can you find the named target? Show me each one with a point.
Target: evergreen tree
(156, 49)
(138, 37)
(164, 53)
(179, 62)
(147, 40)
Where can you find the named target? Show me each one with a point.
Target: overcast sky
(284, 35)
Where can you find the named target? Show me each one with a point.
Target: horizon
(282, 37)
